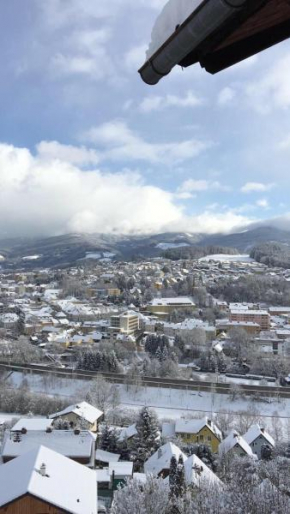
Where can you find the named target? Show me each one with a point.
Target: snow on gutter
(202, 22)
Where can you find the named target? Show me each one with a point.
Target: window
(201, 438)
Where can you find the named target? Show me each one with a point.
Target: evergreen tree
(113, 441)
(147, 439)
(180, 478)
(172, 475)
(105, 438)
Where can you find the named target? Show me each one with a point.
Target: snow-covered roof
(231, 441)
(32, 424)
(256, 431)
(168, 430)
(249, 312)
(140, 477)
(179, 300)
(161, 459)
(66, 484)
(194, 426)
(127, 432)
(66, 442)
(174, 13)
(198, 474)
(83, 410)
(103, 456)
(121, 469)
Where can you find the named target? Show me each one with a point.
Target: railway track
(168, 383)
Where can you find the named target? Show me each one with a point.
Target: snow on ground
(174, 13)
(108, 254)
(227, 258)
(169, 403)
(92, 255)
(31, 257)
(168, 246)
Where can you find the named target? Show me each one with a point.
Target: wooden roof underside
(264, 24)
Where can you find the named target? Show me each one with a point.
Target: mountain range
(69, 249)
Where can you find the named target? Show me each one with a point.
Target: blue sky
(86, 146)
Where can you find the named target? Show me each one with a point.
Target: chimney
(209, 422)
(262, 430)
(43, 470)
(48, 430)
(77, 431)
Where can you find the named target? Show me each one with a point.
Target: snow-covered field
(168, 246)
(169, 403)
(227, 258)
(92, 255)
(31, 257)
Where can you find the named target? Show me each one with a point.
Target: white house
(159, 462)
(257, 437)
(236, 444)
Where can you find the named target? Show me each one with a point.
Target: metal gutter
(204, 21)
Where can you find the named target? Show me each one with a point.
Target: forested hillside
(272, 254)
(197, 252)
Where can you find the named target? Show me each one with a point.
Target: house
(235, 444)
(103, 458)
(198, 474)
(159, 463)
(216, 34)
(127, 434)
(42, 480)
(258, 438)
(198, 431)
(35, 424)
(111, 478)
(80, 414)
(78, 445)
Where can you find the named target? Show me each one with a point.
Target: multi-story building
(163, 306)
(125, 323)
(260, 317)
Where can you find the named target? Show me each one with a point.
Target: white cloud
(135, 57)
(47, 196)
(263, 203)
(285, 143)
(154, 103)
(53, 150)
(196, 186)
(120, 143)
(226, 96)
(44, 196)
(59, 13)
(272, 90)
(256, 187)
(83, 52)
(212, 223)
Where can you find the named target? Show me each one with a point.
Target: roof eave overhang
(204, 29)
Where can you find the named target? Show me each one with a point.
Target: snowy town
(145, 257)
(148, 374)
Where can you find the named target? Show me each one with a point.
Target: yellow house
(199, 431)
